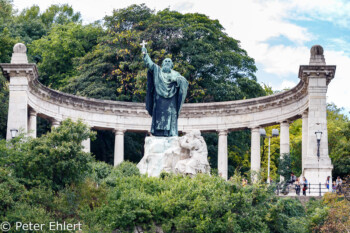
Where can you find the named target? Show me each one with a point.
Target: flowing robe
(166, 94)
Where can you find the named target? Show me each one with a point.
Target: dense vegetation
(103, 199)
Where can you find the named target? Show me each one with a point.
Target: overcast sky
(278, 34)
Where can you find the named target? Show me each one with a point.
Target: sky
(278, 34)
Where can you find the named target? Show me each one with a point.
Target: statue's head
(167, 65)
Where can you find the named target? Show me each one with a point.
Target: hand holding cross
(144, 50)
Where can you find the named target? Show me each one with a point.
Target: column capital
(222, 132)
(255, 128)
(305, 114)
(119, 131)
(285, 122)
(55, 122)
(32, 113)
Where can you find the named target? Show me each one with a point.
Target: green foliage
(10, 190)
(281, 213)
(31, 24)
(338, 126)
(56, 51)
(55, 160)
(174, 203)
(100, 170)
(4, 106)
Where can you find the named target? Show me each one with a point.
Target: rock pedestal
(182, 155)
(161, 154)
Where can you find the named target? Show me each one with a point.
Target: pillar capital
(55, 122)
(285, 122)
(222, 132)
(305, 114)
(119, 131)
(255, 129)
(32, 113)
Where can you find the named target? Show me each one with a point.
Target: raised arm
(148, 62)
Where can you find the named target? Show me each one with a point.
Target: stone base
(182, 155)
(317, 176)
(161, 154)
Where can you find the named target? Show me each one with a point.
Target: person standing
(304, 186)
(338, 184)
(292, 178)
(327, 182)
(297, 187)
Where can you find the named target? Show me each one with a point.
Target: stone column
(222, 154)
(284, 138)
(255, 150)
(304, 138)
(32, 123)
(18, 99)
(86, 145)
(55, 123)
(119, 146)
(318, 75)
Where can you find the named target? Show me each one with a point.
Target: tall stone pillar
(304, 138)
(284, 138)
(255, 150)
(18, 98)
(222, 154)
(32, 123)
(86, 145)
(119, 146)
(318, 75)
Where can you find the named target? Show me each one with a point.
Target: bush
(54, 160)
(100, 171)
(11, 191)
(285, 215)
(125, 169)
(183, 204)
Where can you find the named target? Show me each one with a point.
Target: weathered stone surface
(161, 154)
(181, 155)
(194, 154)
(19, 55)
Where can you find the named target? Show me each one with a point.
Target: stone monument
(164, 150)
(181, 155)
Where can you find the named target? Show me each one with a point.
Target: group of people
(336, 185)
(299, 184)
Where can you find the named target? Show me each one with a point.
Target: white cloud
(338, 89)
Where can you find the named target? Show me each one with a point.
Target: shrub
(54, 160)
(183, 204)
(282, 212)
(11, 191)
(100, 170)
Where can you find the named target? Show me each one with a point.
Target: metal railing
(292, 189)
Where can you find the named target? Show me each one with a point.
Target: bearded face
(167, 65)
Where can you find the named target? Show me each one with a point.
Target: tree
(7, 43)
(31, 25)
(213, 63)
(56, 51)
(338, 126)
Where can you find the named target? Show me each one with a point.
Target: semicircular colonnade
(28, 98)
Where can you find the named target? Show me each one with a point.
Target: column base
(315, 176)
